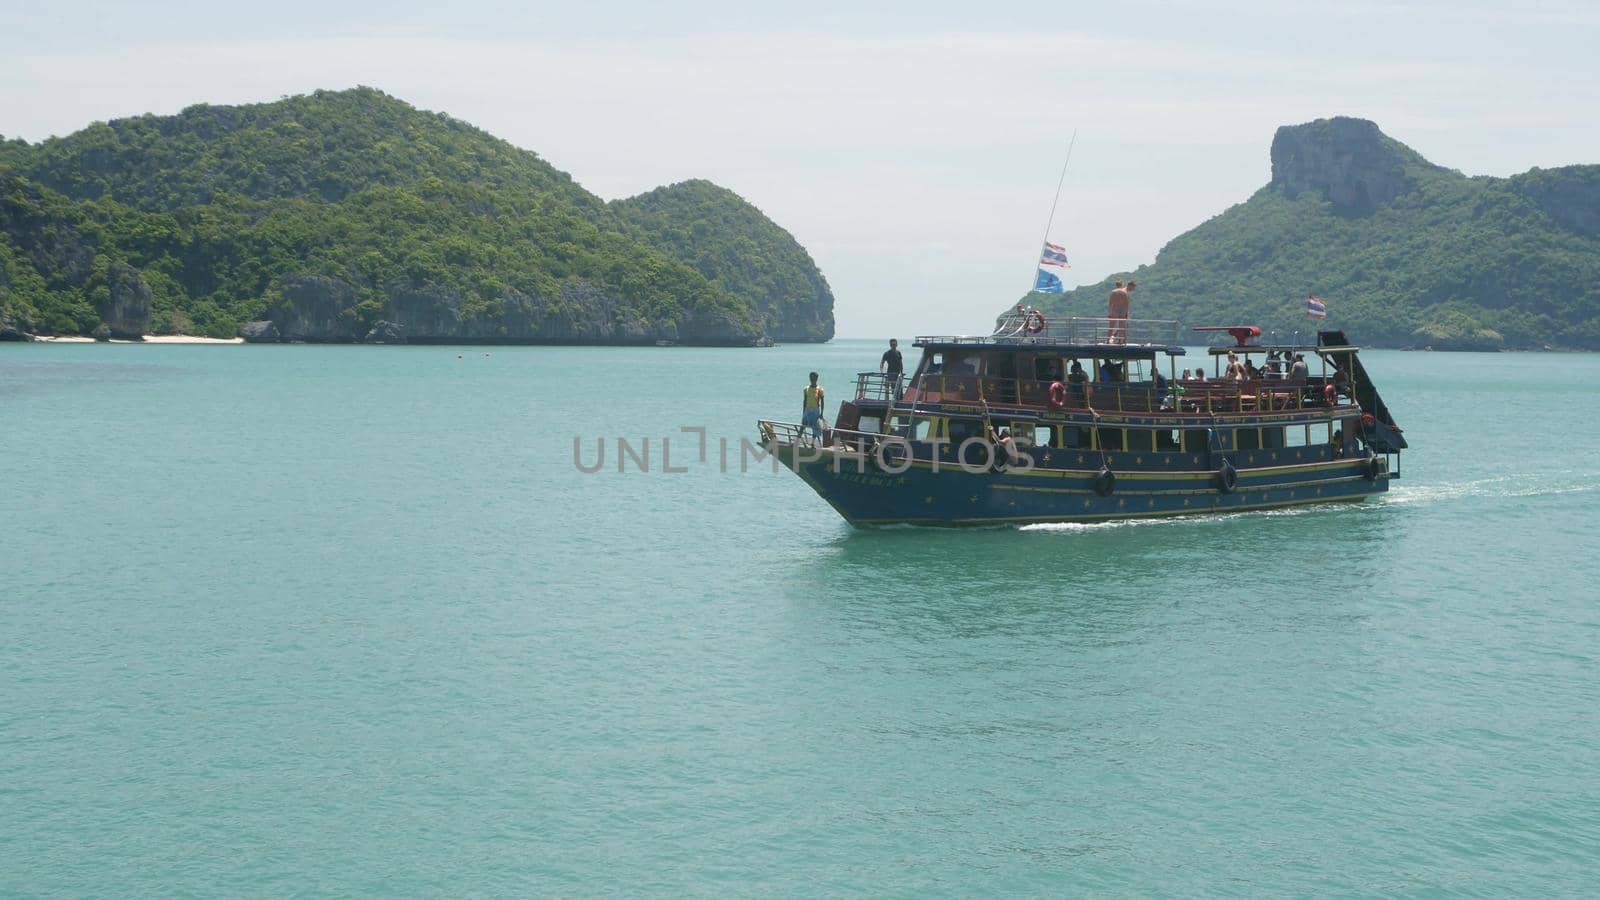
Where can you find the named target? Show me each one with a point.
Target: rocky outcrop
(1570, 195)
(385, 333)
(320, 309)
(317, 309)
(11, 331)
(1349, 161)
(264, 332)
(126, 313)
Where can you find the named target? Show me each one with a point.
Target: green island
(1406, 254)
(350, 216)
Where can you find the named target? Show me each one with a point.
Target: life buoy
(1227, 478)
(1058, 394)
(1373, 468)
(1035, 321)
(1105, 482)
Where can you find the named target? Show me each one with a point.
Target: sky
(914, 149)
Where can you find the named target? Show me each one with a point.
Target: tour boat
(997, 428)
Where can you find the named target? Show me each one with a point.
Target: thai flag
(1054, 255)
(1315, 308)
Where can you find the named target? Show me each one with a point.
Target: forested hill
(350, 215)
(1406, 253)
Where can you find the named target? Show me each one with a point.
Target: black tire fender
(1227, 478)
(1105, 482)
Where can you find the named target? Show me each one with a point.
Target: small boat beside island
(1089, 420)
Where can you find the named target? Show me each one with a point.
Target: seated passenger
(1185, 376)
(1299, 370)
(1077, 376)
(1250, 370)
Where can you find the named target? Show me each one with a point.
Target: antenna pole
(1053, 203)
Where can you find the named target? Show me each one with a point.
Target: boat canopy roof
(1065, 348)
(1029, 329)
(1279, 348)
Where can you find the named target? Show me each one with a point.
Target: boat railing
(877, 386)
(1078, 331)
(777, 433)
(1209, 397)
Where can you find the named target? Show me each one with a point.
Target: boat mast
(1053, 203)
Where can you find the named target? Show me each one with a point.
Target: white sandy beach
(148, 339)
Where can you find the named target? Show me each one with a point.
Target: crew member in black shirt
(892, 365)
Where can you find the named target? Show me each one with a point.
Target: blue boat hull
(867, 493)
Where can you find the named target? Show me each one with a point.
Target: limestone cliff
(322, 309)
(1356, 166)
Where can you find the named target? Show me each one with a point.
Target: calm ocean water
(348, 620)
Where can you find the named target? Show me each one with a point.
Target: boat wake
(1506, 486)
(1169, 521)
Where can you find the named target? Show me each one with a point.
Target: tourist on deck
(1078, 380)
(893, 366)
(1235, 370)
(1117, 307)
(1299, 371)
(811, 415)
(1187, 375)
(1250, 370)
(1274, 367)
(1341, 380)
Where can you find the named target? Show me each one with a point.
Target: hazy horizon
(914, 153)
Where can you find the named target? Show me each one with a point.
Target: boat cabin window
(1001, 365)
(1194, 440)
(1042, 436)
(1141, 439)
(1247, 439)
(1074, 437)
(1296, 435)
(904, 426)
(962, 429)
(870, 424)
(1166, 439)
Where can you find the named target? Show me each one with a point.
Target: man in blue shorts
(811, 417)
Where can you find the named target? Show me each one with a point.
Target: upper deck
(1076, 336)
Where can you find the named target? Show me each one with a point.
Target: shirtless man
(1117, 312)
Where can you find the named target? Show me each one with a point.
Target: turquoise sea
(300, 620)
